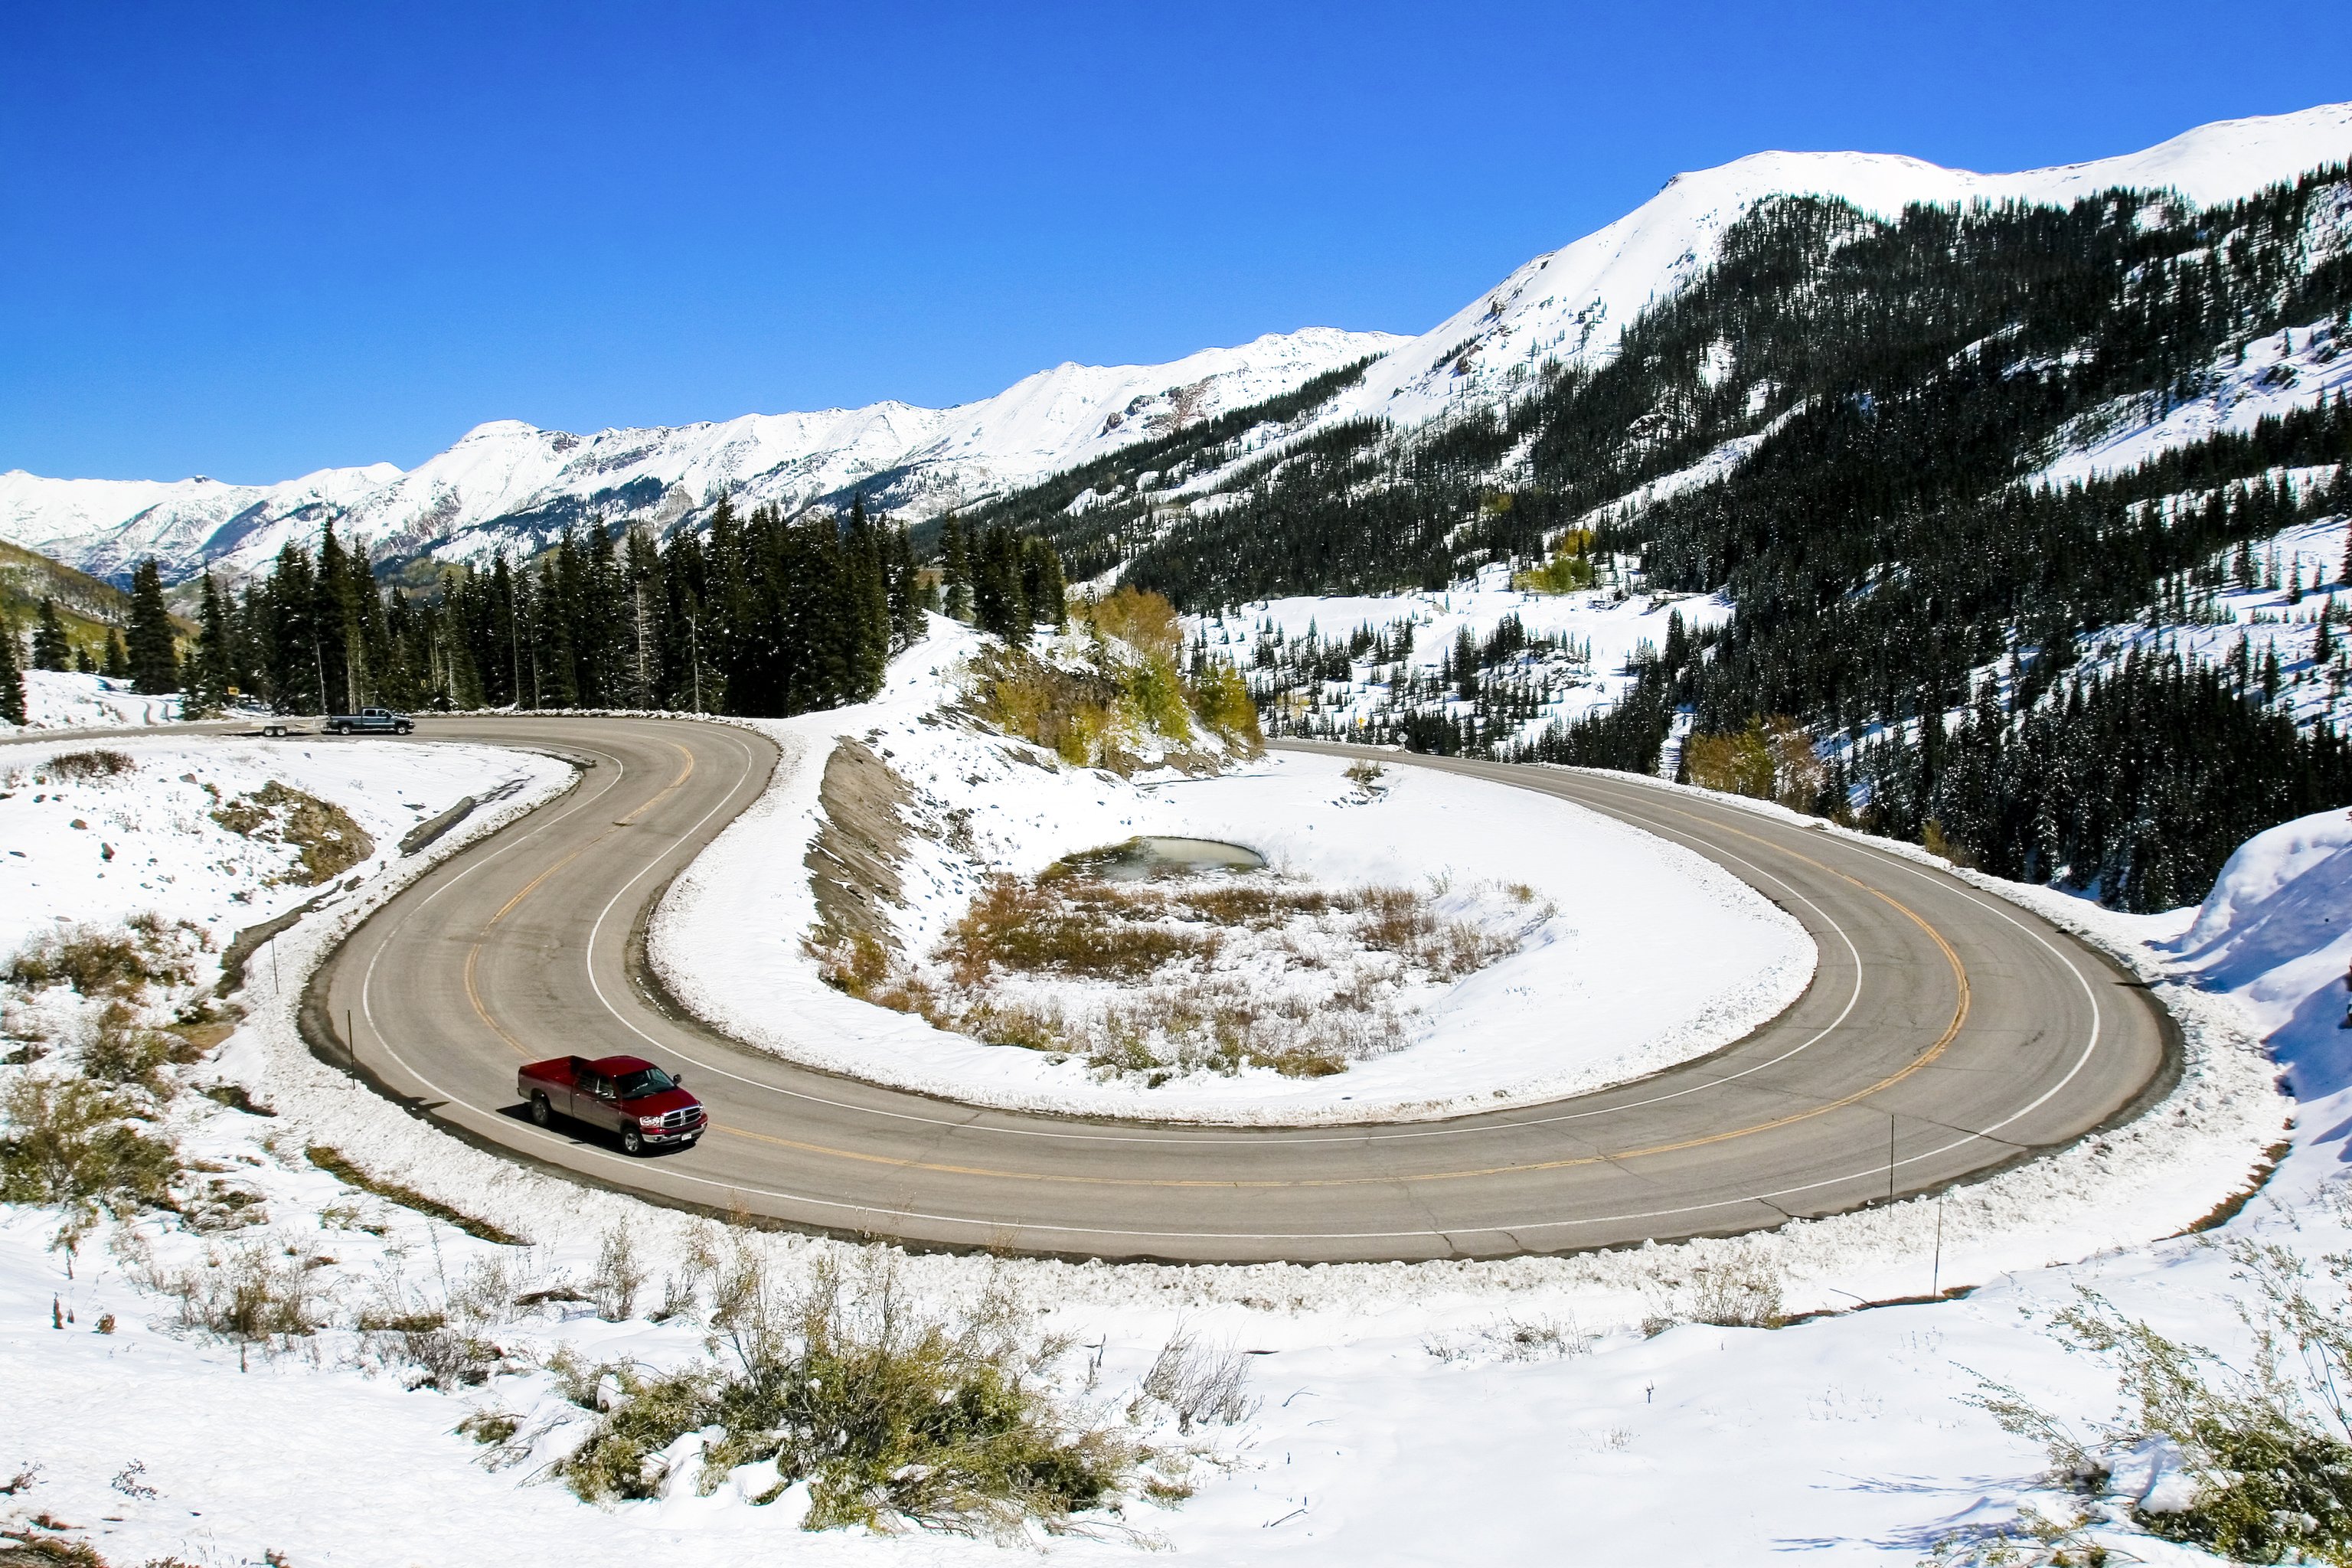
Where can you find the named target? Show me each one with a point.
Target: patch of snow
(66, 699)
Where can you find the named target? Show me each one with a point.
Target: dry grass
(322, 833)
(96, 763)
(1183, 973)
(146, 951)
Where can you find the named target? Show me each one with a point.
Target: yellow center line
(474, 953)
(667, 790)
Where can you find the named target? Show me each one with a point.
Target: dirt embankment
(854, 862)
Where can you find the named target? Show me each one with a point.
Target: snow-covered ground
(1652, 955)
(2298, 367)
(95, 850)
(1408, 1415)
(65, 699)
(1594, 635)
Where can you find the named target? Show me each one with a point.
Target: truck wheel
(408, 728)
(540, 1111)
(631, 1141)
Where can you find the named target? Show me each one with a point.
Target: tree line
(757, 615)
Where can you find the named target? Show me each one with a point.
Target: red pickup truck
(628, 1095)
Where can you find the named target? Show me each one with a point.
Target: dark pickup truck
(368, 721)
(628, 1095)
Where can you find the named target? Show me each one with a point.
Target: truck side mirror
(677, 1080)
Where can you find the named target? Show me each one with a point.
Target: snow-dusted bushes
(84, 1130)
(68, 1142)
(322, 834)
(2252, 1460)
(890, 1414)
(1192, 974)
(1114, 695)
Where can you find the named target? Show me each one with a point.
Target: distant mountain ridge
(508, 484)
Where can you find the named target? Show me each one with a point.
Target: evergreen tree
(997, 603)
(153, 652)
(83, 663)
(906, 598)
(1041, 585)
(955, 569)
(51, 648)
(12, 679)
(118, 658)
(210, 674)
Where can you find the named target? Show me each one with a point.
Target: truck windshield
(637, 1085)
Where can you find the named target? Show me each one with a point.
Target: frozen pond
(1139, 858)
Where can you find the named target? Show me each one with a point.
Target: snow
(1653, 956)
(95, 850)
(1572, 304)
(1417, 1414)
(462, 503)
(2298, 368)
(1609, 626)
(67, 699)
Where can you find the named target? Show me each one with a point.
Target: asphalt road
(1946, 1034)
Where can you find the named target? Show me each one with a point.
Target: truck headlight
(650, 1121)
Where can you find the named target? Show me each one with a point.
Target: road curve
(1946, 1034)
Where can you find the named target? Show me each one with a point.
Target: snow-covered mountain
(509, 483)
(1573, 303)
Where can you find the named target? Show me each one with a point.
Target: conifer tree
(51, 648)
(955, 569)
(83, 664)
(153, 655)
(118, 658)
(1041, 585)
(209, 673)
(12, 679)
(997, 603)
(906, 604)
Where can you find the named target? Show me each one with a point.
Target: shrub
(1199, 1383)
(620, 1274)
(1742, 1291)
(91, 764)
(893, 1415)
(68, 1141)
(122, 962)
(1222, 699)
(1145, 621)
(326, 837)
(1772, 759)
(2265, 1442)
(254, 1293)
(123, 1051)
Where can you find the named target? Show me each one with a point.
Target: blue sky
(251, 240)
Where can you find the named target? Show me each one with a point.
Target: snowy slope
(1573, 303)
(508, 482)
